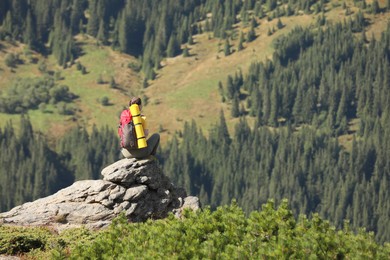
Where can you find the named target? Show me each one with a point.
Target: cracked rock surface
(138, 188)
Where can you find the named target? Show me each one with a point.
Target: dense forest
(324, 83)
(148, 29)
(312, 100)
(35, 170)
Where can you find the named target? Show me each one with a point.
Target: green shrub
(134, 65)
(41, 242)
(105, 101)
(21, 240)
(11, 60)
(29, 93)
(227, 233)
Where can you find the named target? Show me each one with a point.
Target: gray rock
(131, 209)
(125, 171)
(134, 193)
(9, 257)
(190, 202)
(136, 187)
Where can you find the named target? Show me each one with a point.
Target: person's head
(135, 100)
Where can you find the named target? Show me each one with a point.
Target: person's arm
(144, 125)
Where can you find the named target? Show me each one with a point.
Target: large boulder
(138, 188)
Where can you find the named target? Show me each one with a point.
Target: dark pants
(151, 149)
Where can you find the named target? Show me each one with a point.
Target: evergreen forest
(313, 120)
(302, 111)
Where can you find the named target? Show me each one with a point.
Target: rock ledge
(136, 187)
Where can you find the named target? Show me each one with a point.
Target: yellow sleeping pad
(139, 130)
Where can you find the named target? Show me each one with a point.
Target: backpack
(126, 131)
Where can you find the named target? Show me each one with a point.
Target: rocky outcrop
(138, 188)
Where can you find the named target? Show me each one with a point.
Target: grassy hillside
(100, 62)
(186, 88)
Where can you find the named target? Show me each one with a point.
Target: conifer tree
(230, 89)
(29, 33)
(251, 33)
(7, 24)
(279, 24)
(269, 32)
(235, 106)
(221, 91)
(289, 10)
(241, 42)
(76, 15)
(223, 133)
(266, 105)
(102, 33)
(93, 20)
(113, 84)
(274, 106)
(190, 39)
(375, 7)
(173, 46)
(207, 27)
(19, 12)
(123, 29)
(186, 52)
(227, 50)
(3, 10)
(341, 111)
(256, 105)
(115, 36)
(271, 5)
(258, 10)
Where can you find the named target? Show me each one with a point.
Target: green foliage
(226, 49)
(251, 33)
(21, 240)
(235, 107)
(375, 7)
(65, 109)
(41, 242)
(29, 93)
(87, 154)
(100, 80)
(321, 78)
(305, 165)
(186, 51)
(113, 84)
(22, 152)
(37, 170)
(105, 101)
(42, 67)
(227, 233)
(134, 65)
(279, 24)
(241, 42)
(144, 28)
(11, 60)
(173, 48)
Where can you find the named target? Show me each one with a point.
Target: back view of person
(128, 134)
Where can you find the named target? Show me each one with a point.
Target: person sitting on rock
(133, 145)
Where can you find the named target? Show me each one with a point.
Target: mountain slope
(184, 89)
